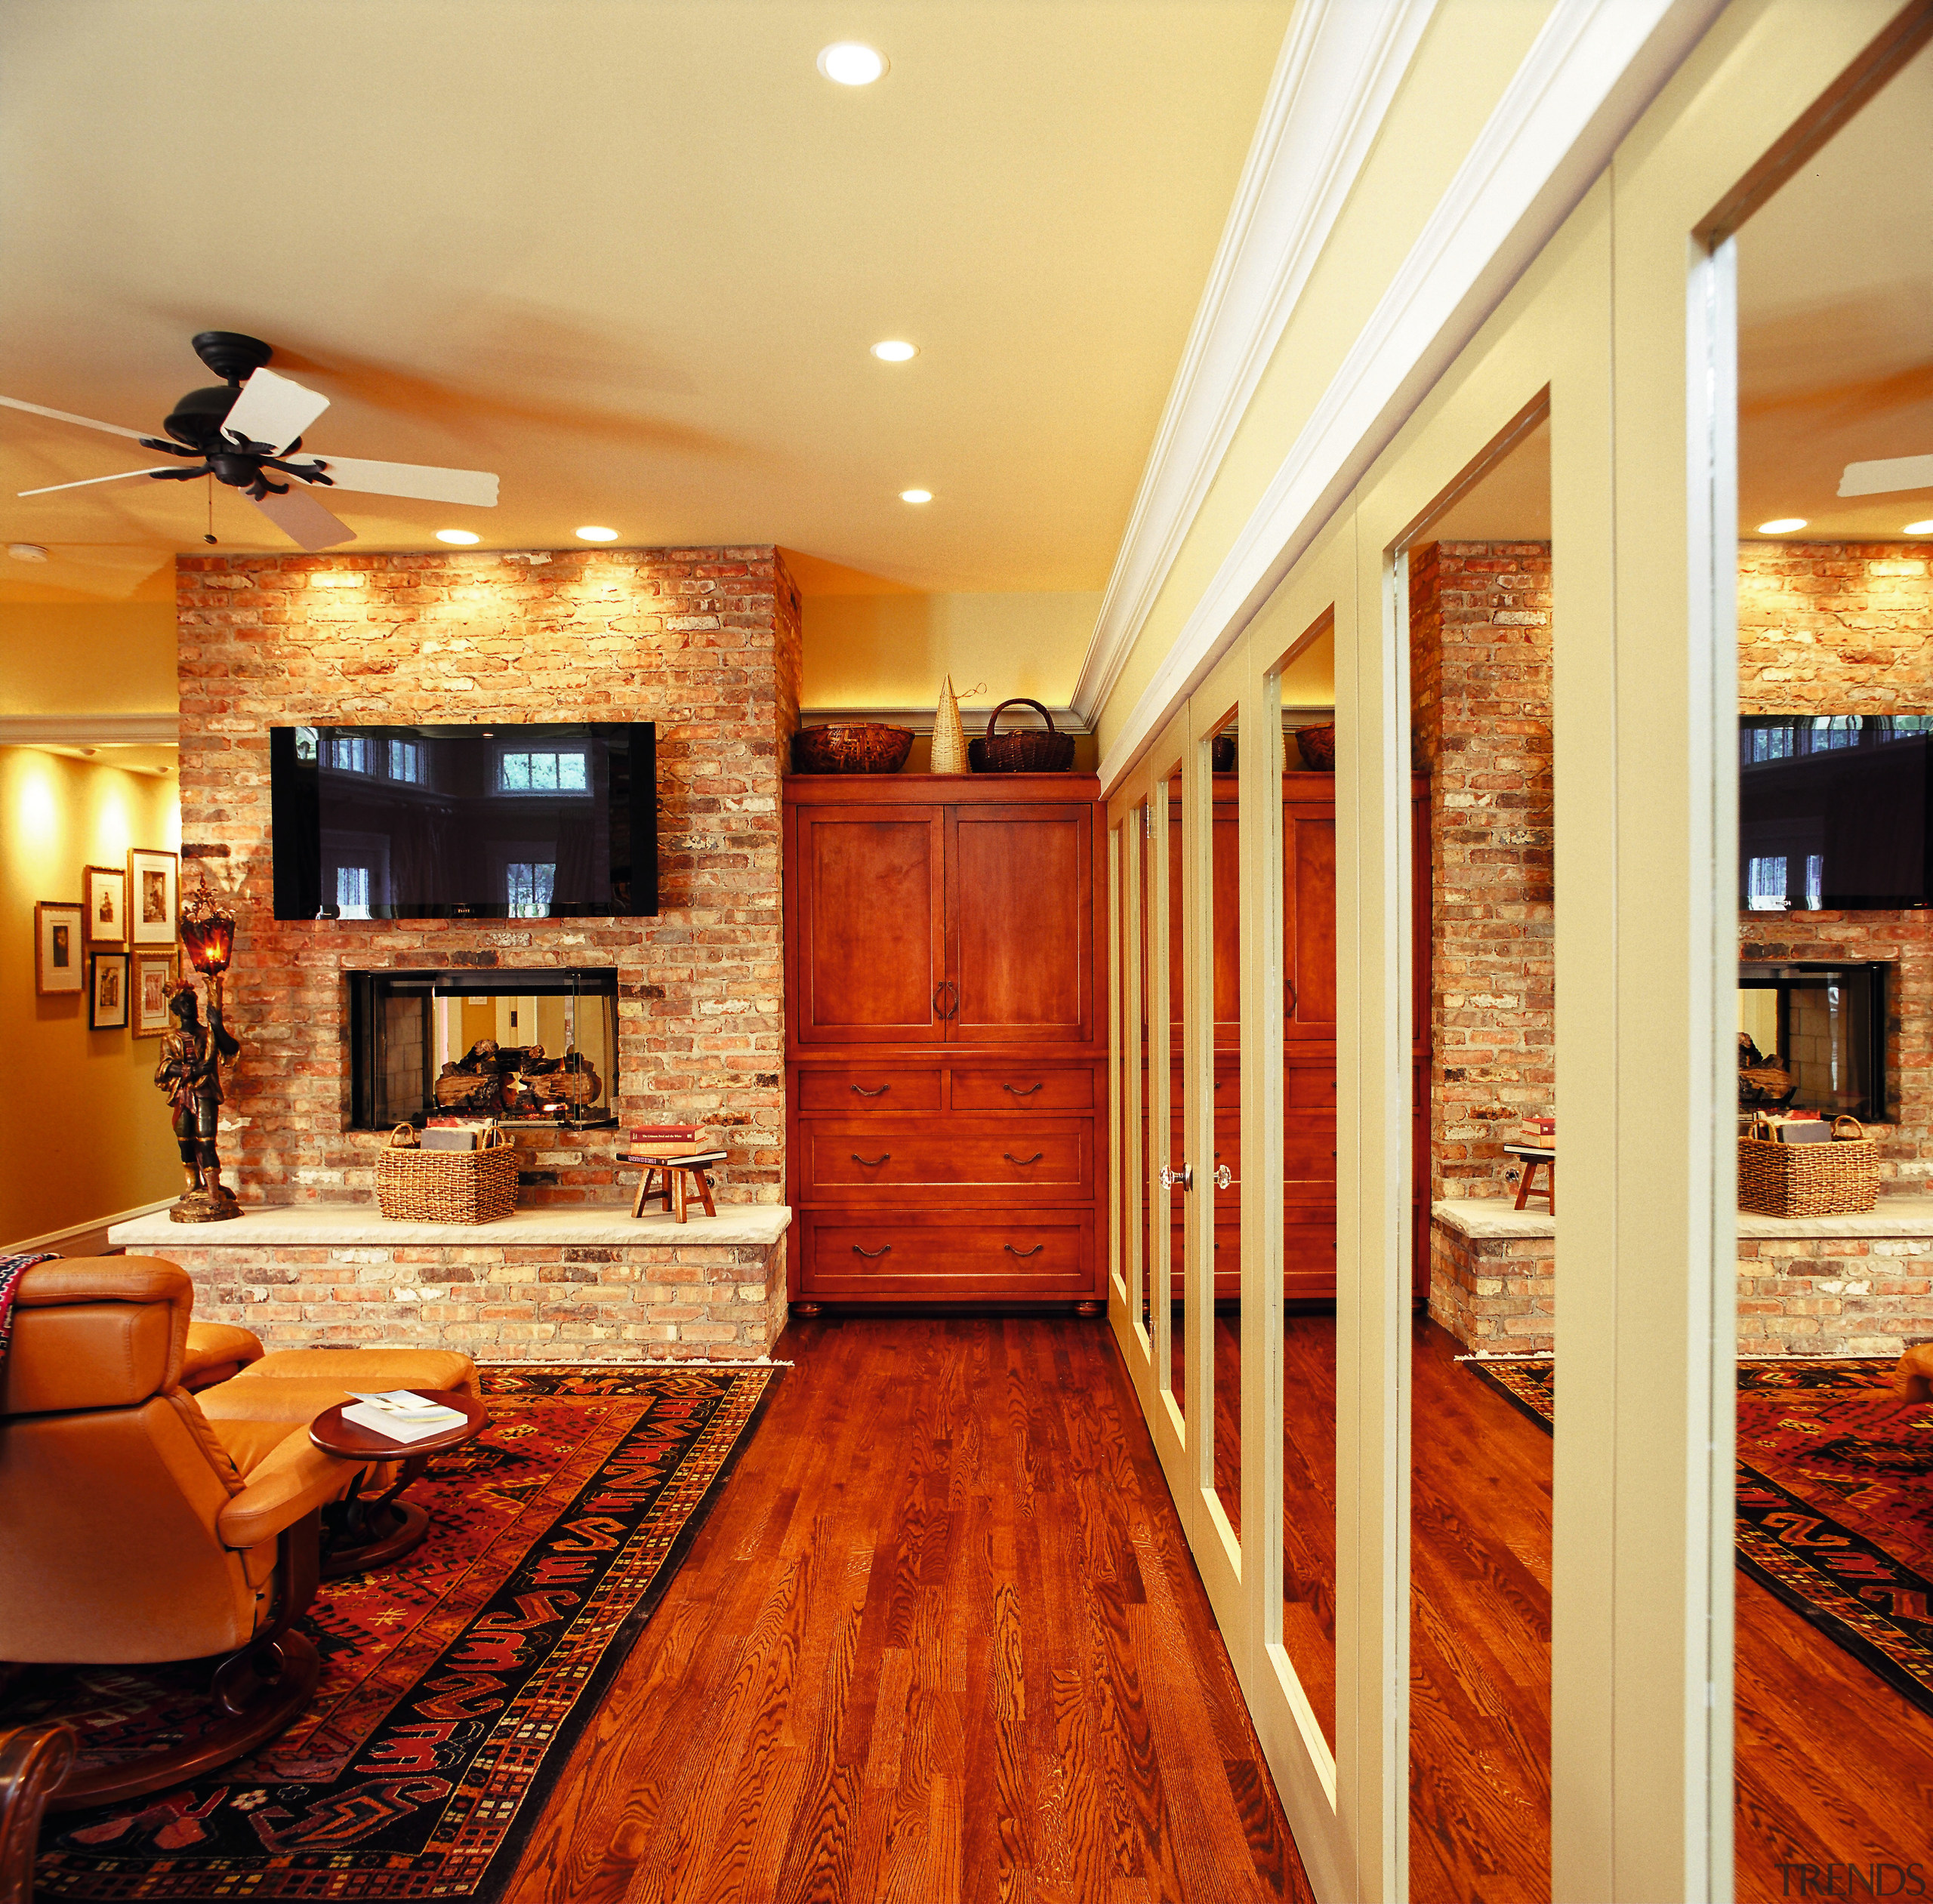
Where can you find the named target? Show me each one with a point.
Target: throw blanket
(12, 1268)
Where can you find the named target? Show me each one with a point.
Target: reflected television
(1832, 812)
(548, 820)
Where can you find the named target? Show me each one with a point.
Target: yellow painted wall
(83, 1130)
(892, 651)
(1467, 56)
(62, 653)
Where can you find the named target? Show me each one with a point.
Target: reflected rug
(453, 1683)
(1835, 1501)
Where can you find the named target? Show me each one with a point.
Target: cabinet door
(871, 924)
(1020, 894)
(1309, 920)
(1224, 915)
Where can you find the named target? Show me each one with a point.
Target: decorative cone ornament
(949, 738)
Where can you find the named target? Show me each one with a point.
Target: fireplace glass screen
(534, 1046)
(1813, 1037)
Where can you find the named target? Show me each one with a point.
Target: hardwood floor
(941, 1639)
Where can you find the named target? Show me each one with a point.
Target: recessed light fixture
(916, 495)
(26, 552)
(1919, 528)
(1780, 525)
(848, 63)
(462, 537)
(594, 533)
(895, 351)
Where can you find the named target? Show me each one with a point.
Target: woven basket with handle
(1026, 750)
(413, 1185)
(1840, 1179)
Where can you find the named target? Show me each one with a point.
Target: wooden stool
(683, 1177)
(1532, 1158)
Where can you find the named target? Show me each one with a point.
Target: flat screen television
(558, 821)
(1832, 812)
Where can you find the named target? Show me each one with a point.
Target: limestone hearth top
(348, 1226)
(1896, 1216)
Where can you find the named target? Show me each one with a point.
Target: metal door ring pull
(1034, 1159)
(1021, 1090)
(872, 1255)
(1034, 1252)
(870, 1162)
(879, 1093)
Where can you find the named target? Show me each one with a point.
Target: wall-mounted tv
(558, 821)
(1832, 812)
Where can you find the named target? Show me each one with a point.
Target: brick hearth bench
(1807, 1286)
(566, 1284)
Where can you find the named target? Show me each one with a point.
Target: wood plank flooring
(941, 1639)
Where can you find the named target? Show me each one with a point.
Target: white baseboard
(27, 1244)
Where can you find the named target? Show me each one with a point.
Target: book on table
(401, 1415)
(675, 1159)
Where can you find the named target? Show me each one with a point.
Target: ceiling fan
(244, 432)
(1889, 473)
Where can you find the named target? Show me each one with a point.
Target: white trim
(1339, 68)
(90, 730)
(53, 1236)
(1593, 68)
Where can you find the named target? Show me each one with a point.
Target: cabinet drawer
(848, 1158)
(1309, 1087)
(960, 1257)
(1018, 1088)
(871, 1088)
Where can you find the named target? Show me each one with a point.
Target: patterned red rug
(1835, 1501)
(453, 1684)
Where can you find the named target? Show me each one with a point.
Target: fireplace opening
(1812, 1036)
(530, 1047)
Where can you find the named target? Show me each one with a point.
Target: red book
(659, 1133)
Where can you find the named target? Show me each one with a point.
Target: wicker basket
(418, 1186)
(1840, 1179)
(1027, 750)
(851, 747)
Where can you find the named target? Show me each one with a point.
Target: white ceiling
(629, 254)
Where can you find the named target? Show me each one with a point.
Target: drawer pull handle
(872, 1255)
(865, 1093)
(951, 1003)
(1021, 1090)
(1034, 1159)
(1034, 1252)
(870, 1163)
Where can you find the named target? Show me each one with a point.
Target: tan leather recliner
(129, 1533)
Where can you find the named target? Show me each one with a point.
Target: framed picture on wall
(154, 975)
(104, 897)
(57, 949)
(151, 881)
(107, 992)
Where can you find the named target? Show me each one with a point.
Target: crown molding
(90, 730)
(1339, 69)
(1593, 68)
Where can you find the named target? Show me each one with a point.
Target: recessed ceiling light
(850, 63)
(26, 552)
(916, 495)
(1779, 525)
(1919, 528)
(594, 533)
(894, 350)
(464, 537)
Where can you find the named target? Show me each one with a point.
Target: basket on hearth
(1840, 1177)
(415, 1185)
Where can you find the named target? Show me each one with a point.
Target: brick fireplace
(704, 641)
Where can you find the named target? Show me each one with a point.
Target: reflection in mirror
(1481, 633)
(1139, 827)
(1176, 1213)
(1225, 926)
(1307, 1189)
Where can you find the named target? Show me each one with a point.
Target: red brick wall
(1480, 635)
(704, 642)
(1828, 627)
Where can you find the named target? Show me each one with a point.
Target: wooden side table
(684, 1175)
(1534, 1156)
(361, 1533)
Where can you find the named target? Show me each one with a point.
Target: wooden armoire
(946, 1038)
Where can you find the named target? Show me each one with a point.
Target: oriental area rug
(454, 1682)
(1835, 1501)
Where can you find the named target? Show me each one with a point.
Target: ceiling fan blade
(1889, 473)
(417, 480)
(304, 520)
(67, 416)
(274, 410)
(121, 476)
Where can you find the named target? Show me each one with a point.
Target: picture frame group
(117, 947)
